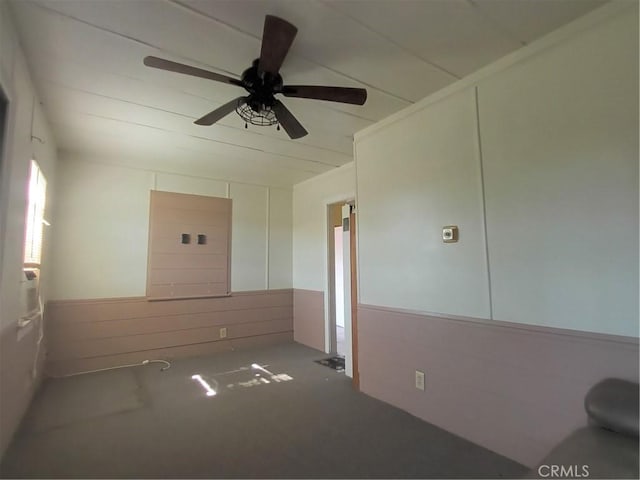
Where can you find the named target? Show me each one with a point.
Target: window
(35, 217)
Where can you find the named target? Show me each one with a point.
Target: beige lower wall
(308, 318)
(18, 353)
(515, 389)
(90, 334)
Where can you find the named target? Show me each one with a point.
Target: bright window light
(210, 391)
(35, 216)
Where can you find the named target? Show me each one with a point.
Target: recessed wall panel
(100, 236)
(280, 238)
(249, 237)
(414, 177)
(560, 149)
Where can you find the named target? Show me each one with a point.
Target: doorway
(342, 284)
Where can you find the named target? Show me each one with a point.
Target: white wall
(101, 238)
(25, 118)
(311, 234)
(310, 200)
(558, 131)
(168, 182)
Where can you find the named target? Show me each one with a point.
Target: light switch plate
(450, 234)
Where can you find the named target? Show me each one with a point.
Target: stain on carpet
(77, 399)
(337, 363)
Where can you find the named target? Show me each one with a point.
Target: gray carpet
(292, 419)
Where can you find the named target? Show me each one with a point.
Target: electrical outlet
(419, 380)
(223, 332)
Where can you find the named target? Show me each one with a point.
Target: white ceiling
(104, 104)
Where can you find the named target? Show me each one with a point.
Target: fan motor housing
(261, 87)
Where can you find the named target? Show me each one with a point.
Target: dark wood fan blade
(277, 37)
(163, 64)
(290, 124)
(212, 117)
(356, 96)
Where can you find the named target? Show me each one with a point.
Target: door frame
(354, 296)
(334, 219)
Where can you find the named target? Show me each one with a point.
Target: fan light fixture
(263, 117)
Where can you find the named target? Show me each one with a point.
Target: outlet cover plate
(223, 332)
(420, 380)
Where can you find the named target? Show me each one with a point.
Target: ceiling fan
(263, 81)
